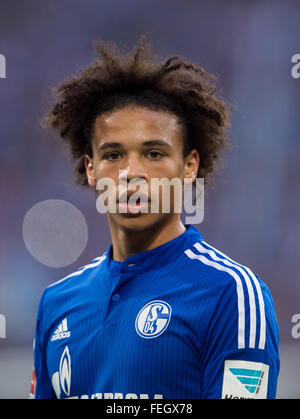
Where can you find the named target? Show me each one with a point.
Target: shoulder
(64, 294)
(75, 279)
(237, 290)
(218, 267)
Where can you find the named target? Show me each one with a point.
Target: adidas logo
(62, 331)
(251, 379)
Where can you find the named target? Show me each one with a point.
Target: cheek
(170, 168)
(103, 169)
(105, 178)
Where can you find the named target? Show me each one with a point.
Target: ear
(89, 167)
(191, 165)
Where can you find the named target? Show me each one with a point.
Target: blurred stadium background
(252, 212)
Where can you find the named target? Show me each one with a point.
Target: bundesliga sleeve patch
(245, 380)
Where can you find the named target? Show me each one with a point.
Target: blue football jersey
(180, 321)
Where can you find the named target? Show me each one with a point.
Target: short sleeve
(240, 357)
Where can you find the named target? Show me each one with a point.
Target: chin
(137, 222)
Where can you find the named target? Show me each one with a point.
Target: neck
(128, 242)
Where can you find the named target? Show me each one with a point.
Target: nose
(133, 171)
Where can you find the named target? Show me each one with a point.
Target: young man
(161, 314)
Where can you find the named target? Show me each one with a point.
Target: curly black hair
(116, 79)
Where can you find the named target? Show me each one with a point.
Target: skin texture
(131, 126)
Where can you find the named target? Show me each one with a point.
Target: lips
(137, 205)
(141, 197)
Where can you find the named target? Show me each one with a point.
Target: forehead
(137, 123)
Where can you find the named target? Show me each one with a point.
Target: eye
(155, 155)
(111, 156)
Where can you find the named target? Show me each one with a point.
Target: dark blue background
(252, 212)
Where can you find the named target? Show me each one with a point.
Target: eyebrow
(107, 145)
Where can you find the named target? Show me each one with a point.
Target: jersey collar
(159, 256)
